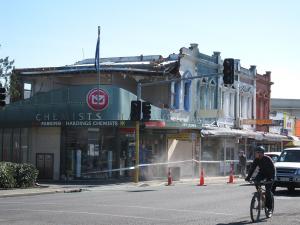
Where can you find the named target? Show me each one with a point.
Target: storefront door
(44, 163)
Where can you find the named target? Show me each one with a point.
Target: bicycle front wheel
(255, 207)
(269, 212)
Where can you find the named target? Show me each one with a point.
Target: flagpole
(98, 62)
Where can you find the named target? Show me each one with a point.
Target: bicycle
(258, 202)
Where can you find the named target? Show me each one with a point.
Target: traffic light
(2, 97)
(228, 71)
(135, 113)
(146, 109)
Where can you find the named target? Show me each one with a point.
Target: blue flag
(97, 54)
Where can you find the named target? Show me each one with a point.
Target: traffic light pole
(137, 138)
(137, 151)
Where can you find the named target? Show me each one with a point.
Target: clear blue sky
(56, 33)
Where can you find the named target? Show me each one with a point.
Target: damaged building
(74, 123)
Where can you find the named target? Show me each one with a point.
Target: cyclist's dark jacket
(266, 167)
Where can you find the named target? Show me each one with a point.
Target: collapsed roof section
(154, 65)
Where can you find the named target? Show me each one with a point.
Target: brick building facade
(263, 93)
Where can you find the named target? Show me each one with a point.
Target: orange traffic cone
(231, 174)
(201, 178)
(169, 178)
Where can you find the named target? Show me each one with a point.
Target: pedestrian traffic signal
(228, 71)
(135, 113)
(2, 97)
(146, 109)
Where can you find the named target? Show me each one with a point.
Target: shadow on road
(241, 222)
(140, 190)
(235, 223)
(246, 185)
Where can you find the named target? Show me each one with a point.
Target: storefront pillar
(118, 151)
(245, 147)
(225, 146)
(200, 154)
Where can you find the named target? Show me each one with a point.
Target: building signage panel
(86, 123)
(257, 122)
(183, 136)
(155, 124)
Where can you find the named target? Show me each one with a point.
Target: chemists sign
(97, 99)
(73, 106)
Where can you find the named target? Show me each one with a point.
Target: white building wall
(47, 140)
(188, 65)
(179, 150)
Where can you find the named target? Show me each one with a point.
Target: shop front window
(7, 140)
(16, 156)
(1, 144)
(24, 145)
(14, 145)
(27, 90)
(90, 152)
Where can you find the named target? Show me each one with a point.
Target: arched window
(211, 94)
(198, 94)
(203, 84)
(176, 97)
(232, 104)
(250, 107)
(226, 103)
(244, 106)
(187, 92)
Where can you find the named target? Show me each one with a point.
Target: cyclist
(266, 172)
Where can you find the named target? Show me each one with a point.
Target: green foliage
(26, 175)
(7, 175)
(14, 175)
(8, 78)
(6, 67)
(15, 87)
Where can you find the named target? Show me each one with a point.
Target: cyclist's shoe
(269, 212)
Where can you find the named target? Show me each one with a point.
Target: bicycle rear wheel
(255, 207)
(269, 212)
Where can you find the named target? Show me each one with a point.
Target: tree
(8, 78)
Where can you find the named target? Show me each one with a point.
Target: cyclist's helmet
(260, 149)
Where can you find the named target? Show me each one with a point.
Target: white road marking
(284, 198)
(87, 213)
(131, 206)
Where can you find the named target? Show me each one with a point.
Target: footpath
(51, 188)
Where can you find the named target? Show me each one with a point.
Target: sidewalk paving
(70, 188)
(38, 190)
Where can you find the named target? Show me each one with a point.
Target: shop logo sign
(97, 99)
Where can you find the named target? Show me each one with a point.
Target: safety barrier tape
(162, 163)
